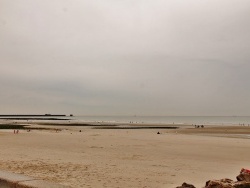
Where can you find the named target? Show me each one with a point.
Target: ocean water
(206, 120)
(178, 120)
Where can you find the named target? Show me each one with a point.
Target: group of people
(16, 131)
(198, 126)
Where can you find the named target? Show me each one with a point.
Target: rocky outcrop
(243, 181)
(223, 183)
(227, 183)
(242, 184)
(244, 175)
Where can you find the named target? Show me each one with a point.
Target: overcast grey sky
(125, 57)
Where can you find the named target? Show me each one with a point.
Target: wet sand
(126, 157)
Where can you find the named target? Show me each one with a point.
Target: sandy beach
(126, 157)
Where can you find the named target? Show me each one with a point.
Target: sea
(178, 120)
(206, 120)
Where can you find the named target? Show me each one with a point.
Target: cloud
(125, 57)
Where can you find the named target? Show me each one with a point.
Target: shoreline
(134, 120)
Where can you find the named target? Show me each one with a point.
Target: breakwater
(32, 115)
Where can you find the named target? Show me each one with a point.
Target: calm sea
(211, 120)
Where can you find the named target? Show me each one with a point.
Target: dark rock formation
(223, 183)
(244, 175)
(243, 182)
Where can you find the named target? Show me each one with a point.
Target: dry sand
(126, 158)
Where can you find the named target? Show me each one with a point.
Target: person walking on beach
(16, 131)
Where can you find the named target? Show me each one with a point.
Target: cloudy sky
(125, 57)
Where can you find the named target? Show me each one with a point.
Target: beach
(126, 157)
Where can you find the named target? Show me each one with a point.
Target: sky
(127, 57)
